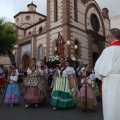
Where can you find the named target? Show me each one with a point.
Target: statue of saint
(60, 45)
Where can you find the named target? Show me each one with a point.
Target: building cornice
(31, 5)
(35, 24)
(25, 39)
(94, 34)
(68, 24)
(31, 25)
(29, 12)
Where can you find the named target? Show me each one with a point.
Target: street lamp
(55, 51)
(44, 46)
(76, 50)
(76, 47)
(68, 44)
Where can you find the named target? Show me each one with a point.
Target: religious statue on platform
(60, 45)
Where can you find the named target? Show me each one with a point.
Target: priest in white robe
(107, 69)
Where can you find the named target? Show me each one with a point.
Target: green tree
(8, 39)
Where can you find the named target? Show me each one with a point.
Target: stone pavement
(45, 112)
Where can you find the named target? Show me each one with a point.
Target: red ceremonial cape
(115, 43)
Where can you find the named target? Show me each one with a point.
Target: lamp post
(55, 51)
(44, 47)
(68, 44)
(76, 50)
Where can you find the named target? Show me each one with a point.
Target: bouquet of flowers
(56, 60)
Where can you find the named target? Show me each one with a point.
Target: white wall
(115, 22)
(5, 61)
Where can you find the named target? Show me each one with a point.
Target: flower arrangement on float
(56, 60)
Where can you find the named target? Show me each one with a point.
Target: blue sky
(9, 8)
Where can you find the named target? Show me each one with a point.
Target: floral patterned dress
(35, 90)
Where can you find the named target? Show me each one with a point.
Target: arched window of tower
(76, 46)
(55, 10)
(40, 19)
(29, 32)
(40, 52)
(17, 20)
(40, 30)
(75, 11)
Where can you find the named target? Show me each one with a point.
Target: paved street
(45, 112)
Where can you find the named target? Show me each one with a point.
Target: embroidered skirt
(33, 95)
(12, 94)
(90, 94)
(63, 94)
(36, 93)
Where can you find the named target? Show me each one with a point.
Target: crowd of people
(66, 81)
(71, 85)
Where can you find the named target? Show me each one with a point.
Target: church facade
(81, 23)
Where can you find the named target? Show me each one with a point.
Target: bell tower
(58, 12)
(58, 18)
(32, 7)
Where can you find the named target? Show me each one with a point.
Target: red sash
(116, 43)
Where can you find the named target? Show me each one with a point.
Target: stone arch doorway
(95, 53)
(96, 50)
(96, 43)
(26, 61)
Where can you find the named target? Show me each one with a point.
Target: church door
(95, 52)
(26, 61)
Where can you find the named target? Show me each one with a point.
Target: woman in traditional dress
(73, 76)
(42, 79)
(62, 96)
(12, 95)
(90, 94)
(35, 86)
